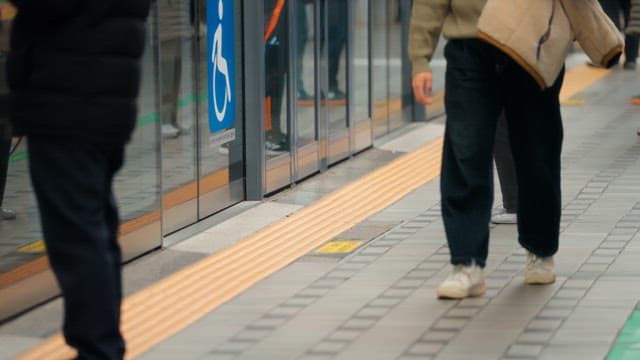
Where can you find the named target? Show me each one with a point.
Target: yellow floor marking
(580, 78)
(339, 247)
(574, 102)
(33, 248)
(161, 310)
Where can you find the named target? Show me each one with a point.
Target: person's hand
(421, 84)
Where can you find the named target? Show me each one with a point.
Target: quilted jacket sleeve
(596, 33)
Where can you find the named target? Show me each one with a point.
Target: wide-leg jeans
(481, 81)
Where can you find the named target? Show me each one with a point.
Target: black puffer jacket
(74, 68)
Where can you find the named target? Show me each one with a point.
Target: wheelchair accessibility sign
(221, 60)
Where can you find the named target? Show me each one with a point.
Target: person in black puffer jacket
(74, 76)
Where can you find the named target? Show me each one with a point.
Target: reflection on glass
(394, 29)
(178, 106)
(137, 184)
(380, 71)
(221, 164)
(276, 39)
(337, 33)
(305, 79)
(335, 20)
(19, 221)
(359, 99)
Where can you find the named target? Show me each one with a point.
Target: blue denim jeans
(480, 82)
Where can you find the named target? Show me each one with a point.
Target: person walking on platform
(490, 67)
(74, 76)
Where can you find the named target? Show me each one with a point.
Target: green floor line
(142, 120)
(627, 345)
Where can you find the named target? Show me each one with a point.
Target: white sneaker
(224, 149)
(503, 217)
(464, 281)
(540, 270)
(169, 131)
(6, 214)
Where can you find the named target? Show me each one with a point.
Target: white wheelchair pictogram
(220, 65)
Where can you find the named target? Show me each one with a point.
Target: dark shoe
(303, 95)
(6, 214)
(629, 65)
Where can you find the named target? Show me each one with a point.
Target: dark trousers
(336, 22)
(5, 148)
(505, 166)
(480, 82)
(614, 9)
(73, 187)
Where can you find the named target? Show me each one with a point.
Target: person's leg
(467, 166)
(79, 223)
(612, 9)
(535, 128)
(171, 69)
(275, 80)
(505, 166)
(337, 42)
(302, 35)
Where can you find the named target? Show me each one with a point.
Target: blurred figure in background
(74, 75)
(173, 30)
(276, 37)
(620, 11)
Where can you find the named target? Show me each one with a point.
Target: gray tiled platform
(379, 302)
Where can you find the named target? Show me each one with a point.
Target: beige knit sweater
(455, 19)
(536, 34)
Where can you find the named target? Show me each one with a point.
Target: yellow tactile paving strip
(155, 313)
(163, 309)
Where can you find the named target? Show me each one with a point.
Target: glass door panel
(380, 69)
(277, 54)
(394, 30)
(178, 113)
(359, 104)
(334, 97)
(307, 147)
(220, 125)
